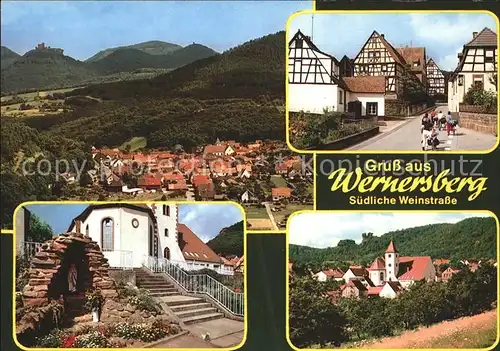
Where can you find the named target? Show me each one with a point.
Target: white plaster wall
(387, 292)
(126, 237)
(348, 276)
(375, 277)
(312, 97)
(170, 241)
(320, 276)
(369, 97)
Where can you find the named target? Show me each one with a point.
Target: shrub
(52, 340)
(144, 332)
(93, 339)
(476, 95)
(143, 301)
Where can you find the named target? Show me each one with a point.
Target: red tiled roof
(486, 37)
(374, 290)
(193, 248)
(201, 179)
(365, 84)
(358, 271)
(391, 248)
(286, 192)
(413, 54)
(334, 273)
(150, 180)
(378, 263)
(413, 268)
(213, 149)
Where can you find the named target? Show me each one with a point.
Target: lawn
(278, 181)
(256, 212)
(290, 208)
(134, 144)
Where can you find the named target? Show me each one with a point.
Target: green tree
(39, 230)
(314, 319)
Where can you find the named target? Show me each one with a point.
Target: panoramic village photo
(129, 275)
(96, 109)
(392, 280)
(392, 81)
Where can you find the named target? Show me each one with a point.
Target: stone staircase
(189, 310)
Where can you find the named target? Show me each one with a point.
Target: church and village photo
(392, 280)
(116, 275)
(392, 81)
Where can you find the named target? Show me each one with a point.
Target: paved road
(408, 137)
(271, 217)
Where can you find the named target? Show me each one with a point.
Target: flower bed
(109, 335)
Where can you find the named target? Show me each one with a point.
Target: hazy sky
(82, 28)
(205, 220)
(326, 229)
(442, 34)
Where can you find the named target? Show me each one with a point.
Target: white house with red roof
(402, 269)
(129, 234)
(328, 274)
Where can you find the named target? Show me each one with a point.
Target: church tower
(391, 262)
(166, 215)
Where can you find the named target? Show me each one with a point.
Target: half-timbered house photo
(436, 83)
(370, 86)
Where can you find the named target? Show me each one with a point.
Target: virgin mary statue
(72, 275)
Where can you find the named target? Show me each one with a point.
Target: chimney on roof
(308, 37)
(382, 35)
(460, 55)
(474, 35)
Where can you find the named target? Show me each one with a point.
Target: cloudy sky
(326, 229)
(82, 28)
(442, 34)
(205, 220)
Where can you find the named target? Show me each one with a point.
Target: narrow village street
(406, 135)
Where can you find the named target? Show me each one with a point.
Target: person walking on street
(449, 126)
(426, 128)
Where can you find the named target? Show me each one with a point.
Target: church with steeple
(403, 269)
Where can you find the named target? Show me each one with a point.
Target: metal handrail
(232, 301)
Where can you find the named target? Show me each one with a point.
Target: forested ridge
(229, 241)
(471, 238)
(236, 95)
(44, 69)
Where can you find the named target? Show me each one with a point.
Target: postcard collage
(254, 175)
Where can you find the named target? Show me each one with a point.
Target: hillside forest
(471, 238)
(236, 95)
